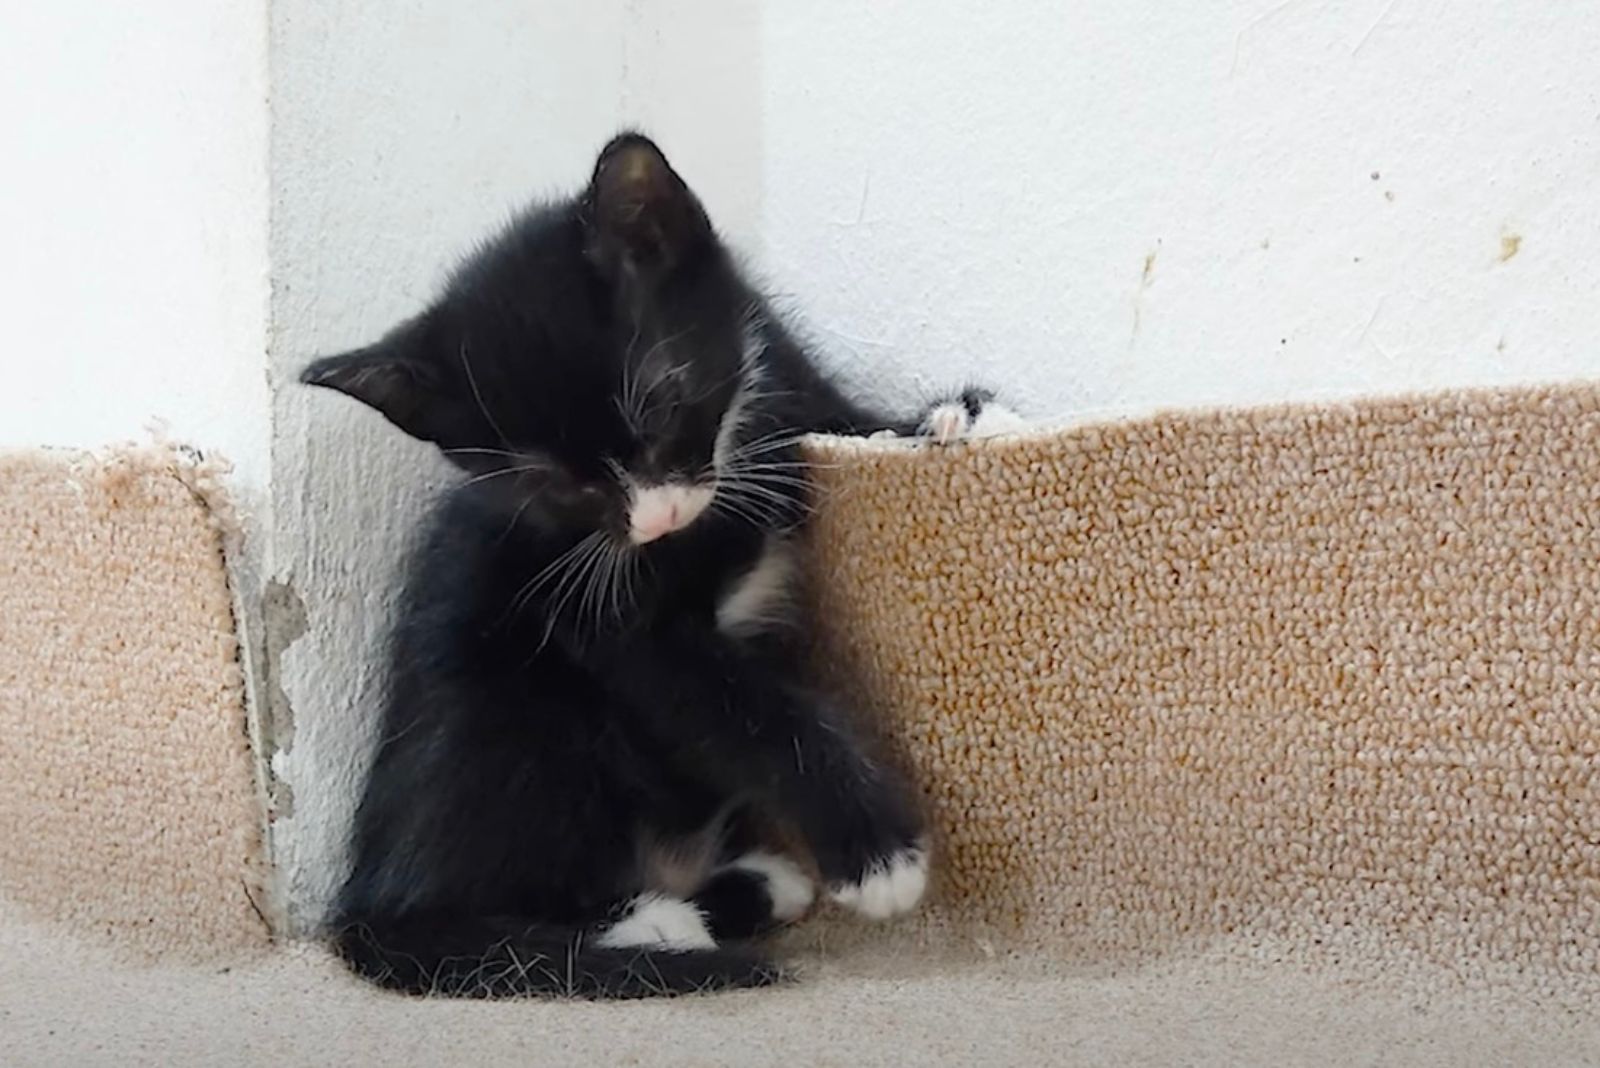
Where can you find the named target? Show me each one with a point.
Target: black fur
(556, 700)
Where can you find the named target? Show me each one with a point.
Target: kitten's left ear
(639, 211)
(398, 377)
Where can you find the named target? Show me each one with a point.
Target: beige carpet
(1323, 676)
(65, 1006)
(1260, 738)
(127, 797)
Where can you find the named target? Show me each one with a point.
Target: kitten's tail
(505, 957)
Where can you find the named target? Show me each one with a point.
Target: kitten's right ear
(639, 211)
(392, 376)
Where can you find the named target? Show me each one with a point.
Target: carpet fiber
(127, 797)
(1325, 676)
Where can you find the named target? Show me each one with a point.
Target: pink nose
(659, 522)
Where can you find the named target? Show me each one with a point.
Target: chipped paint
(283, 622)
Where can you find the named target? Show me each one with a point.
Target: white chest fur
(762, 597)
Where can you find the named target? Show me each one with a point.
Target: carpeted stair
(1260, 737)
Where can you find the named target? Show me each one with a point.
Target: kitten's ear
(639, 211)
(393, 376)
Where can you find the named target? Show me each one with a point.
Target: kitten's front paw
(946, 422)
(994, 420)
(890, 886)
(973, 414)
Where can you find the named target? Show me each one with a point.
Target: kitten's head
(593, 367)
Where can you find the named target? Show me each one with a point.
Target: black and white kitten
(597, 702)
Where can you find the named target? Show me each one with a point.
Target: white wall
(1130, 205)
(133, 282)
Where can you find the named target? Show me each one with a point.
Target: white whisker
(516, 517)
(594, 596)
(736, 509)
(577, 575)
(773, 478)
(485, 452)
(634, 398)
(472, 381)
(802, 465)
(634, 568)
(764, 445)
(760, 510)
(550, 570)
(520, 469)
(768, 485)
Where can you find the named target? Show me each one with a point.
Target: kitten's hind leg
(660, 921)
(753, 894)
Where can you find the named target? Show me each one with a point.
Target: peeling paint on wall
(283, 622)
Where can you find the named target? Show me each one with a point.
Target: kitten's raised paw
(994, 420)
(947, 422)
(788, 887)
(890, 887)
(973, 414)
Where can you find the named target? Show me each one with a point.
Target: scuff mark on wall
(1383, 17)
(1146, 277)
(1510, 245)
(283, 618)
(1250, 27)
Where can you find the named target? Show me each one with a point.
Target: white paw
(788, 887)
(947, 422)
(994, 420)
(893, 886)
(660, 922)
